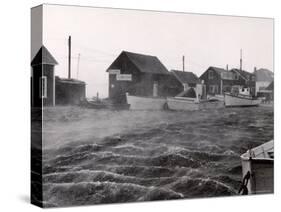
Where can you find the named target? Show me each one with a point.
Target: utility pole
(183, 63)
(69, 57)
(78, 63)
(240, 59)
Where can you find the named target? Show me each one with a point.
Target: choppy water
(95, 156)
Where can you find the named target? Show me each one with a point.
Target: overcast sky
(100, 35)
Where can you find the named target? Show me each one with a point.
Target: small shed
(69, 91)
(48, 90)
(43, 79)
(187, 79)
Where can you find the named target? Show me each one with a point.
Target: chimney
(227, 67)
(69, 57)
(255, 69)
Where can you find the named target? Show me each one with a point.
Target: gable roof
(263, 74)
(185, 76)
(43, 56)
(145, 63)
(218, 70)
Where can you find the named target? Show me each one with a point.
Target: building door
(155, 88)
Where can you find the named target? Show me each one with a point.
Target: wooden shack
(48, 90)
(219, 80)
(43, 79)
(139, 75)
(69, 91)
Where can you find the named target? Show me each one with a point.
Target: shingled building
(140, 75)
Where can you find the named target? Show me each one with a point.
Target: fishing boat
(191, 99)
(240, 99)
(145, 103)
(257, 169)
(190, 104)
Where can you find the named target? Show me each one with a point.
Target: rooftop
(43, 56)
(144, 63)
(264, 75)
(185, 76)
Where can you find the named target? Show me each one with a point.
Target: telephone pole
(240, 59)
(69, 57)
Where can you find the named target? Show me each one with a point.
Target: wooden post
(69, 57)
(240, 59)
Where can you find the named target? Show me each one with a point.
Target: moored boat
(145, 103)
(182, 103)
(193, 99)
(240, 99)
(103, 105)
(190, 104)
(257, 169)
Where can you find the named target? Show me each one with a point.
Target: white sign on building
(114, 71)
(124, 77)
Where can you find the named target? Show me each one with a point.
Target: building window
(43, 87)
(211, 74)
(227, 75)
(253, 78)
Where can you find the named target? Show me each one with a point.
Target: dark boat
(99, 104)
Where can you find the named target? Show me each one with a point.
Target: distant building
(219, 80)
(263, 78)
(69, 91)
(267, 93)
(48, 90)
(190, 84)
(187, 79)
(246, 79)
(140, 75)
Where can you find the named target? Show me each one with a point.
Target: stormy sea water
(101, 156)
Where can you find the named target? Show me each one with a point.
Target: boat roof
(262, 152)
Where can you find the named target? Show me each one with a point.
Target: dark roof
(185, 76)
(263, 75)
(218, 70)
(70, 81)
(246, 75)
(145, 63)
(270, 86)
(43, 56)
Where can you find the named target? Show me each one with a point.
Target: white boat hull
(182, 104)
(260, 166)
(145, 103)
(190, 104)
(239, 101)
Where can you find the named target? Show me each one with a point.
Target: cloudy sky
(99, 35)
